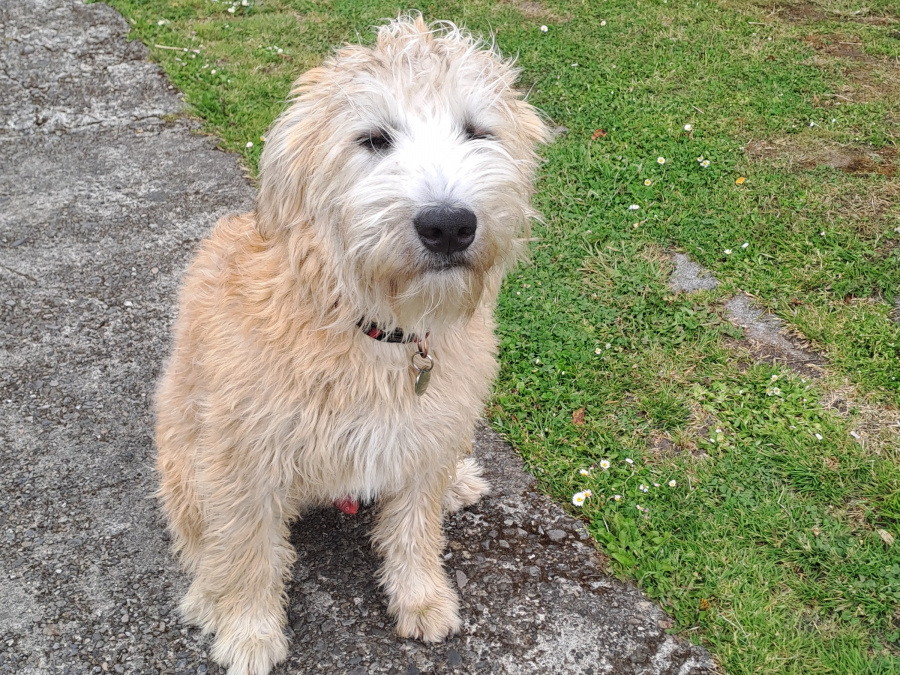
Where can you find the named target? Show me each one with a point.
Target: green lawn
(771, 546)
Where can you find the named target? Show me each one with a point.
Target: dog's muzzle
(446, 229)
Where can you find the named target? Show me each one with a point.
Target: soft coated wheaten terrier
(336, 343)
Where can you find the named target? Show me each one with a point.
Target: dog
(337, 343)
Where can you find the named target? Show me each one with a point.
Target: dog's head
(411, 162)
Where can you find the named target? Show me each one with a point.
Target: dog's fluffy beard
(457, 135)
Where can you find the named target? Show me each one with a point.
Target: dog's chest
(373, 434)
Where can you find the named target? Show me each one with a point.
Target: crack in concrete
(107, 123)
(21, 274)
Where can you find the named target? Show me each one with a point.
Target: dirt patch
(808, 12)
(873, 81)
(875, 427)
(841, 46)
(766, 341)
(850, 160)
(801, 12)
(535, 10)
(868, 77)
(854, 160)
(661, 444)
(867, 206)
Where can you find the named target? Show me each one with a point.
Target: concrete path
(103, 202)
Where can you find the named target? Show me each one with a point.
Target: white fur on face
(448, 130)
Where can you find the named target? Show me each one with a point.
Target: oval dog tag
(422, 379)
(423, 372)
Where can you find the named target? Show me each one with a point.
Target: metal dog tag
(423, 372)
(422, 380)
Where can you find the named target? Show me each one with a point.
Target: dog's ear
(281, 166)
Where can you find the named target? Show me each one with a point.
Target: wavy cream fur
(274, 400)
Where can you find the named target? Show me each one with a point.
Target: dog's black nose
(444, 229)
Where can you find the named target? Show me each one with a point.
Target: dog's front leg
(238, 587)
(409, 536)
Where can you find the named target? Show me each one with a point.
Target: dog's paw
(432, 619)
(468, 488)
(197, 609)
(249, 648)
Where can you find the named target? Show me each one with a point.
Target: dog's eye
(474, 133)
(376, 141)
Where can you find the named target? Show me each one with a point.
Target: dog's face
(413, 162)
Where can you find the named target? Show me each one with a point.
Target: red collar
(396, 336)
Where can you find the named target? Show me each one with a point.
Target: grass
(771, 546)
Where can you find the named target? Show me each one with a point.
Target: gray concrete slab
(689, 277)
(766, 340)
(103, 201)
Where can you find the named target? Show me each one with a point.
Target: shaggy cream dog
(337, 342)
